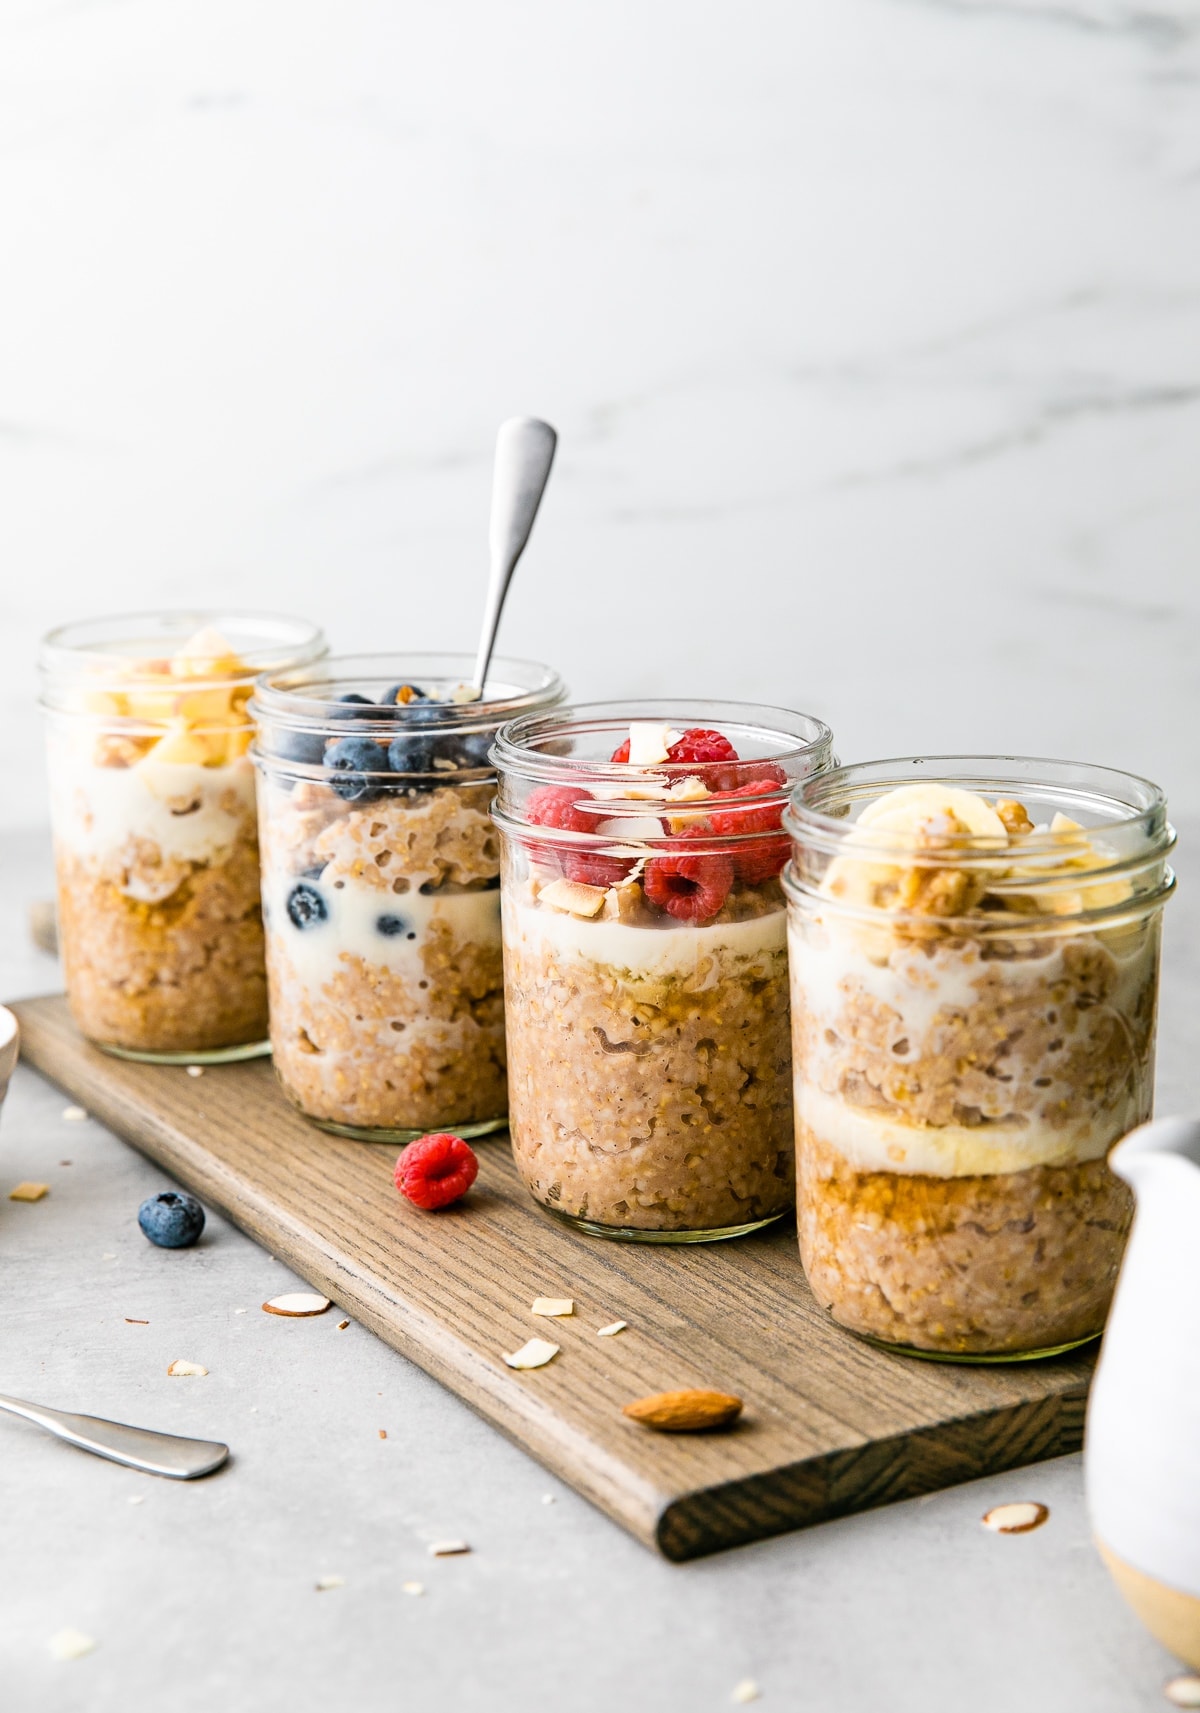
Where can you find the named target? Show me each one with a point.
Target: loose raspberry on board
(435, 1171)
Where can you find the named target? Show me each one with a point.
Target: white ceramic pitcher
(1142, 1450)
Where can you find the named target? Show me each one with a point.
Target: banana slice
(1079, 851)
(925, 809)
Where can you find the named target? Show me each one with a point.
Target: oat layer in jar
(646, 963)
(974, 948)
(155, 832)
(381, 876)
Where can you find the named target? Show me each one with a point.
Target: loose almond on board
(297, 1304)
(533, 1354)
(553, 1306)
(685, 1412)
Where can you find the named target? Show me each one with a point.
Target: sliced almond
(342, 1325)
(412, 1588)
(297, 1303)
(689, 790)
(130, 1321)
(691, 1411)
(612, 1329)
(1183, 1691)
(553, 1306)
(1016, 1519)
(448, 1549)
(28, 1192)
(573, 897)
(180, 1369)
(534, 1354)
(746, 1690)
(324, 1583)
(195, 1070)
(74, 1114)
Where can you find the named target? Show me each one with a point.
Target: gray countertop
(203, 1595)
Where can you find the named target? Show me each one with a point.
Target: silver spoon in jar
(524, 454)
(140, 1448)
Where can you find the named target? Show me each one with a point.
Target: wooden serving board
(831, 1424)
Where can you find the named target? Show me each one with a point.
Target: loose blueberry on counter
(172, 1220)
(352, 761)
(306, 906)
(391, 926)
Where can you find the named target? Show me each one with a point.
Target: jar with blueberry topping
(381, 874)
(645, 962)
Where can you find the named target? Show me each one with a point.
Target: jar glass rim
(289, 699)
(265, 641)
(798, 737)
(1128, 810)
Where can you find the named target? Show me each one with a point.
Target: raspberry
(765, 858)
(554, 806)
(692, 888)
(699, 745)
(593, 868)
(435, 1171)
(621, 753)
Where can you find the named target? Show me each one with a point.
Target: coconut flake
(448, 1549)
(412, 1588)
(746, 1690)
(71, 1644)
(323, 1583)
(74, 1114)
(534, 1354)
(553, 1306)
(612, 1330)
(1183, 1691)
(180, 1369)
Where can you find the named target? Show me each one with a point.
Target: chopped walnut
(1014, 816)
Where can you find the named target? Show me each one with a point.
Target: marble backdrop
(871, 329)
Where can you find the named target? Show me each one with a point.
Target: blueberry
(306, 906)
(391, 926)
(411, 754)
(473, 749)
(352, 700)
(307, 748)
(352, 761)
(172, 1220)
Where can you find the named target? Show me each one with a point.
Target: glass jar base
(635, 1234)
(975, 1358)
(209, 1056)
(360, 1133)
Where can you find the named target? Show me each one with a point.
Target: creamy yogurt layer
(692, 953)
(191, 813)
(386, 931)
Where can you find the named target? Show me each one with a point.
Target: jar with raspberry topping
(381, 876)
(645, 962)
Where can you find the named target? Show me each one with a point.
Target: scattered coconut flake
(1016, 1519)
(547, 1498)
(1183, 1691)
(326, 1582)
(447, 1549)
(71, 1644)
(342, 1325)
(137, 1498)
(412, 1588)
(195, 1070)
(129, 1321)
(297, 1303)
(178, 1369)
(746, 1690)
(254, 1409)
(239, 1311)
(28, 1192)
(612, 1330)
(535, 1354)
(74, 1114)
(553, 1306)
(108, 1256)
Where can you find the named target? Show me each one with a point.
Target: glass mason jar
(381, 889)
(974, 947)
(646, 965)
(156, 843)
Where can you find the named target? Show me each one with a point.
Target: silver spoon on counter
(524, 454)
(140, 1448)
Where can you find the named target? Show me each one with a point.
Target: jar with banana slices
(974, 951)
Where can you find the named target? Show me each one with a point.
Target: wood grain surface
(831, 1424)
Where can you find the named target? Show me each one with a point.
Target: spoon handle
(524, 454)
(140, 1448)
